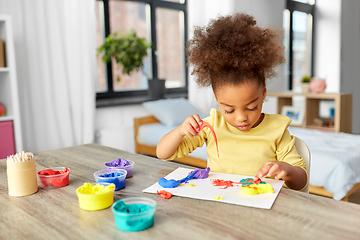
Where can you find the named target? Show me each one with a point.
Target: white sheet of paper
(205, 190)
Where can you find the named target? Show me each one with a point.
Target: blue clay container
(119, 181)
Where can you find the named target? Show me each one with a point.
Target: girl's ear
(216, 99)
(264, 93)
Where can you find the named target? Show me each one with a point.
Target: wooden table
(55, 213)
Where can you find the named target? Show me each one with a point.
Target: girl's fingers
(197, 118)
(192, 132)
(273, 170)
(264, 170)
(280, 175)
(269, 169)
(194, 123)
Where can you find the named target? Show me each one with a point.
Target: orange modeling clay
(164, 194)
(206, 124)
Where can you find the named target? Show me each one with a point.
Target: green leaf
(128, 51)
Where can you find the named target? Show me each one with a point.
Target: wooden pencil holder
(22, 178)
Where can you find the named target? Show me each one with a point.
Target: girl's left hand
(280, 169)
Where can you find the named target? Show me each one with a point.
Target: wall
(350, 56)
(114, 126)
(337, 49)
(328, 43)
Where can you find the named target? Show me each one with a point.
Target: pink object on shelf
(2, 109)
(7, 141)
(317, 85)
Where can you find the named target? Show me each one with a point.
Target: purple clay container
(128, 165)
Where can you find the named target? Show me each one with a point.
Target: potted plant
(129, 51)
(305, 82)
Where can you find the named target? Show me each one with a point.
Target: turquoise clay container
(134, 214)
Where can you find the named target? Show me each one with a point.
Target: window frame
(309, 9)
(111, 97)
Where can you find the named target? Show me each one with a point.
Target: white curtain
(56, 68)
(203, 98)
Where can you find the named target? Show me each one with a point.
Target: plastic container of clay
(118, 178)
(55, 180)
(134, 214)
(128, 168)
(94, 197)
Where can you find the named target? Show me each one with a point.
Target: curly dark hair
(233, 50)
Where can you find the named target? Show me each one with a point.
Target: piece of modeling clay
(114, 177)
(118, 163)
(249, 181)
(114, 174)
(88, 188)
(131, 208)
(164, 194)
(57, 181)
(49, 171)
(201, 173)
(61, 182)
(220, 182)
(255, 189)
(189, 185)
(168, 183)
(206, 124)
(218, 197)
(196, 174)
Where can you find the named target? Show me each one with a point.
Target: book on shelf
(2, 53)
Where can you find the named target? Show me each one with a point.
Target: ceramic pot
(305, 87)
(317, 85)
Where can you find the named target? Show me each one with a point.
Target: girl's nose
(242, 117)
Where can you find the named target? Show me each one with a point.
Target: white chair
(304, 152)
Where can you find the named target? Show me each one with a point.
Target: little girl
(234, 57)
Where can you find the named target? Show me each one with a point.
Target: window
(161, 22)
(298, 40)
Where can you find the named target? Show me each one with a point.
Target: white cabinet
(9, 95)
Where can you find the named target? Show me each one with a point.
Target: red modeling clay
(61, 182)
(49, 171)
(206, 124)
(219, 183)
(56, 181)
(164, 194)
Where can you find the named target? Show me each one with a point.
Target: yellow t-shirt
(243, 153)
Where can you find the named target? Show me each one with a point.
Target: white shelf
(6, 118)
(9, 95)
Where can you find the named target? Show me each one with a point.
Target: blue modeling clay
(114, 174)
(168, 183)
(114, 178)
(196, 174)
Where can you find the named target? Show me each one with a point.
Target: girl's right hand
(191, 126)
